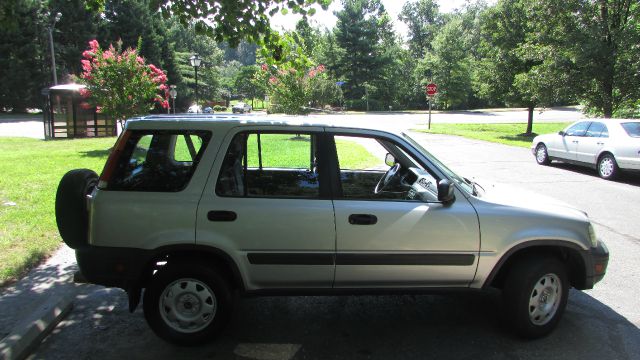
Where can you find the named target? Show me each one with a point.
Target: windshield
(466, 185)
(632, 128)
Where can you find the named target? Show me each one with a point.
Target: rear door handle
(218, 215)
(362, 219)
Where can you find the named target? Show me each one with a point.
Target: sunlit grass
(508, 134)
(31, 170)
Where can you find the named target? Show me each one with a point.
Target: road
(35, 128)
(602, 323)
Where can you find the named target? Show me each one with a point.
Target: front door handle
(362, 219)
(217, 215)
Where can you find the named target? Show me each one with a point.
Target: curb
(26, 336)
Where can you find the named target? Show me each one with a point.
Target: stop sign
(432, 89)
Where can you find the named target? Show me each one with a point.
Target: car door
(570, 141)
(388, 240)
(590, 145)
(267, 207)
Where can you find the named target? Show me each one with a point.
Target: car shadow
(629, 178)
(455, 326)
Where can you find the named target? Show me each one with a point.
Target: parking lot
(602, 323)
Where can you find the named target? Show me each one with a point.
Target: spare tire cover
(72, 214)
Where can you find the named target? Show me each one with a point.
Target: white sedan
(608, 145)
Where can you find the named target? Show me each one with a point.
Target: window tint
(597, 129)
(161, 161)
(362, 164)
(270, 165)
(632, 128)
(578, 129)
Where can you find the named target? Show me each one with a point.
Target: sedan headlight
(592, 236)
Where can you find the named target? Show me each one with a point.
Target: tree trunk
(529, 120)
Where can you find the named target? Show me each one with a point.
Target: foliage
(290, 87)
(22, 69)
(230, 21)
(423, 20)
(119, 83)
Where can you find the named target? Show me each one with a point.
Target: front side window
(161, 161)
(281, 165)
(363, 166)
(579, 129)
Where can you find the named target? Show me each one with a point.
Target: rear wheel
(535, 295)
(608, 167)
(542, 156)
(187, 304)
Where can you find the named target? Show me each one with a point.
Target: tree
(24, 57)
(450, 63)
(601, 39)
(423, 20)
(232, 21)
(361, 27)
(119, 83)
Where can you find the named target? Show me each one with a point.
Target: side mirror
(445, 191)
(562, 133)
(389, 160)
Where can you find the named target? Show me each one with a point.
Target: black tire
(539, 280)
(72, 215)
(608, 167)
(542, 156)
(202, 299)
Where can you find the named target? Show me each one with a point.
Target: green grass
(508, 134)
(31, 170)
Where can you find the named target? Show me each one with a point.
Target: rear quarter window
(632, 128)
(158, 161)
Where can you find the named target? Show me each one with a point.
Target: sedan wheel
(607, 167)
(542, 156)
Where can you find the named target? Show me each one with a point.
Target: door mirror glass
(561, 133)
(390, 160)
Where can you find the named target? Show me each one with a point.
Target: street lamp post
(53, 55)
(196, 60)
(173, 93)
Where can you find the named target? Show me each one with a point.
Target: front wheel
(535, 295)
(608, 167)
(542, 155)
(187, 304)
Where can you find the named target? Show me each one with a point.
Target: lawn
(508, 134)
(30, 171)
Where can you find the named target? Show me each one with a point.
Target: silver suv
(198, 211)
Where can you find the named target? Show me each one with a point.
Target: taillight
(112, 161)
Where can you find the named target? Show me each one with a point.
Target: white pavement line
(26, 336)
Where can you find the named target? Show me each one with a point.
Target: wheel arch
(569, 253)
(208, 255)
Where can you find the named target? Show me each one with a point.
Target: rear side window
(597, 129)
(632, 128)
(281, 165)
(160, 161)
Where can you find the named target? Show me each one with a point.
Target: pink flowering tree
(119, 83)
(291, 87)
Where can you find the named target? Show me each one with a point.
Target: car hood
(515, 197)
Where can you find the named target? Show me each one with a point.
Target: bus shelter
(68, 115)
